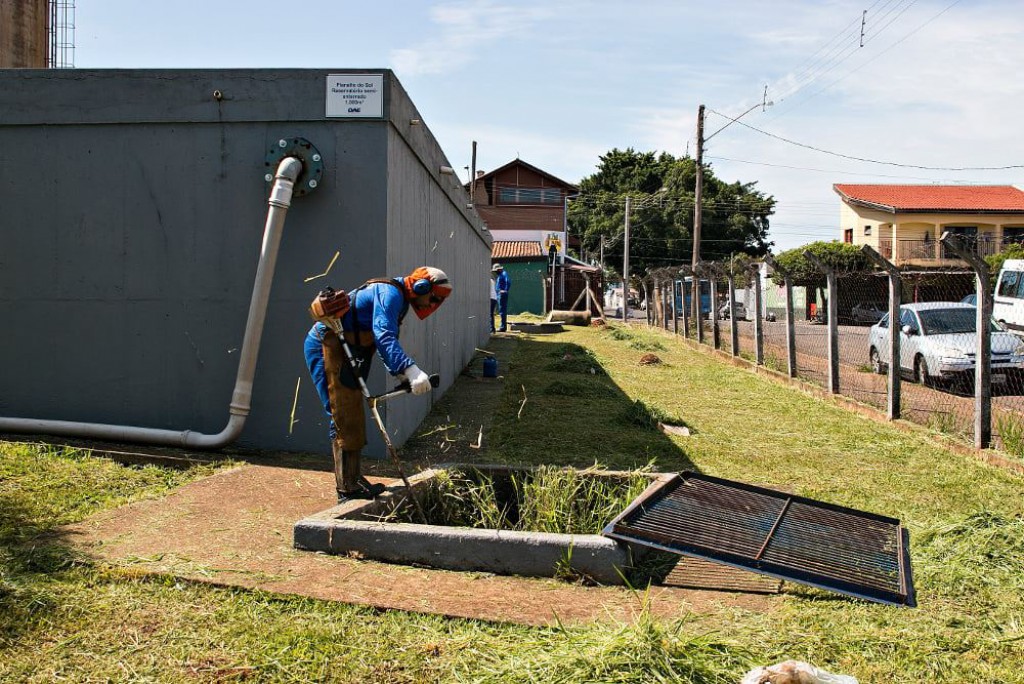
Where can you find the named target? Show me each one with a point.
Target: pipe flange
(303, 150)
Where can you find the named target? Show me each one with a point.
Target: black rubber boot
(364, 490)
(353, 485)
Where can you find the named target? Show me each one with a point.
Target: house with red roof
(904, 222)
(524, 208)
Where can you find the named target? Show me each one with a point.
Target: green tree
(841, 256)
(844, 258)
(995, 261)
(660, 187)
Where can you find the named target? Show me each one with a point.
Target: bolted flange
(303, 150)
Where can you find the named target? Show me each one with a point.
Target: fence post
(833, 323)
(664, 303)
(758, 317)
(734, 333)
(695, 296)
(983, 353)
(716, 332)
(790, 324)
(685, 314)
(895, 297)
(675, 313)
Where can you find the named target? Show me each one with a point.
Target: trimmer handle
(404, 388)
(435, 380)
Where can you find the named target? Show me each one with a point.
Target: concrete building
(524, 207)
(904, 222)
(135, 206)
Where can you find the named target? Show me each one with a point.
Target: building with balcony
(904, 222)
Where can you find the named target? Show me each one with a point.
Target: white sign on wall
(355, 95)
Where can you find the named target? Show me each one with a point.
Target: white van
(1008, 300)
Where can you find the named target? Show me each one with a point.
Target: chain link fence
(937, 329)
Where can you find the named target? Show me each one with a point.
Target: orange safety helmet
(428, 280)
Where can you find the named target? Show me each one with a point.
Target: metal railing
(934, 253)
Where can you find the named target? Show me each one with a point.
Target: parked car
(1008, 298)
(868, 312)
(938, 342)
(741, 311)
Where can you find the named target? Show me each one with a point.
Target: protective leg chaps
(348, 479)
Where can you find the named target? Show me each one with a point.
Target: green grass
(547, 499)
(63, 617)
(1010, 429)
(641, 415)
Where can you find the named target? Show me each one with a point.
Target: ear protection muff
(422, 286)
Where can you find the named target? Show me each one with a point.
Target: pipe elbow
(289, 168)
(229, 434)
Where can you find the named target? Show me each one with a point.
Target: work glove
(419, 382)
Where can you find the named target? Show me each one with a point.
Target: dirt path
(235, 529)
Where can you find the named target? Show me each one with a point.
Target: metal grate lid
(774, 533)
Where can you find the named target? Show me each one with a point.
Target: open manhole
(613, 527)
(535, 522)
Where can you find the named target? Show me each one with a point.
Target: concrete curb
(349, 529)
(528, 554)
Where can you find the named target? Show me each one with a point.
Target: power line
(807, 75)
(840, 171)
(793, 106)
(875, 161)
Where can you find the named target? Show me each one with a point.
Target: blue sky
(937, 83)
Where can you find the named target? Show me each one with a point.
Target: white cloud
(464, 29)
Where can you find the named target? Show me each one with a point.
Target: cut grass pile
(64, 618)
(572, 358)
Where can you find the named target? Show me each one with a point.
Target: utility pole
(602, 254)
(625, 267)
(697, 191)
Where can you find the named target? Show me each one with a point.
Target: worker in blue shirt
(502, 284)
(371, 324)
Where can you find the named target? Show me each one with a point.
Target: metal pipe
(241, 399)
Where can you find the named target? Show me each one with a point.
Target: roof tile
(515, 249)
(981, 198)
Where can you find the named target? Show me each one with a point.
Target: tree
(660, 186)
(841, 256)
(995, 261)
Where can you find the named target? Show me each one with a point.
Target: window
(968, 236)
(848, 236)
(1009, 284)
(515, 195)
(909, 320)
(1013, 235)
(867, 230)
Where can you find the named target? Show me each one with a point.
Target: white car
(938, 342)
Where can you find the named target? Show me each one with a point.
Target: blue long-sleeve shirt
(379, 308)
(503, 283)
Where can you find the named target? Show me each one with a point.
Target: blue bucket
(490, 367)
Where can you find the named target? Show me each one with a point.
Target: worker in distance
(370, 320)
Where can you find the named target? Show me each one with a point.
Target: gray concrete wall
(134, 206)
(425, 227)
